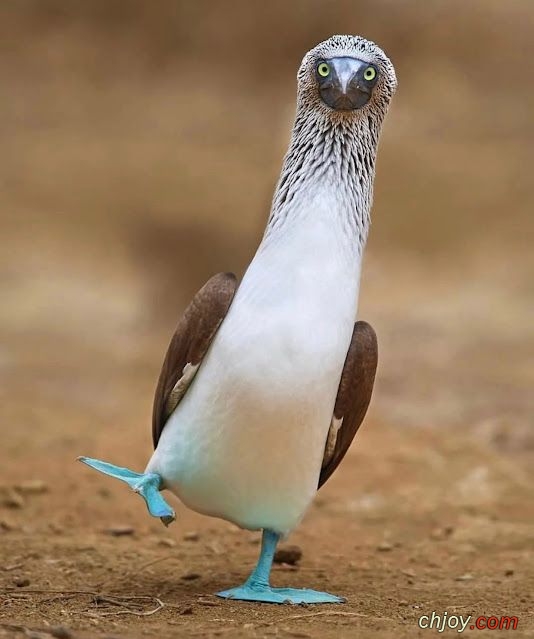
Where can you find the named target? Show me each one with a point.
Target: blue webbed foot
(258, 588)
(267, 594)
(145, 484)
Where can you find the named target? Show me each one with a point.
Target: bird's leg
(258, 588)
(147, 485)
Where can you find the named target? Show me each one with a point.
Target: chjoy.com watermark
(445, 621)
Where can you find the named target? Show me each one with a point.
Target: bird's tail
(145, 484)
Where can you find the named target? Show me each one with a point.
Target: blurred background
(140, 143)
(140, 146)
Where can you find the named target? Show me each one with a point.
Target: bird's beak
(344, 88)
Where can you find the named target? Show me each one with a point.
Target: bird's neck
(328, 171)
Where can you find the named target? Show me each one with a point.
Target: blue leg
(145, 484)
(258, 588)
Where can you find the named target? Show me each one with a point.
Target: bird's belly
(251, 469)
(247, 441)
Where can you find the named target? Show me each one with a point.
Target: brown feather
(353, 396)
(190, 342)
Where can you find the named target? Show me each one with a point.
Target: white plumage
(247, 441)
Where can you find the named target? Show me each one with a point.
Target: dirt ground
(413, 522)
(107, 229)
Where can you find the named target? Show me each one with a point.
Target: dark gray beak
(345, 88)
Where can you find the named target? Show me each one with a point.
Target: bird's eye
(323, 69)
(369, 74)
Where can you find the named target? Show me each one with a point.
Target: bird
(266, 382)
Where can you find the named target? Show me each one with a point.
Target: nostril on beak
(344, 83)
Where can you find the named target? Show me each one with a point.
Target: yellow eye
(369, 74)
(323, 69)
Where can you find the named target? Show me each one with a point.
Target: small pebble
(466, 577)
(55, 528)
(215, 548)
(207, 602)
(290, 555)
(6, 525)
(120, 531)
(409, 572)
(442, 532)
(186, 610)
(508, 572)
(231, 528)
(191, 536)
(32, 487)
(167, 542)
(403, 602)
(190, 576)
(12, 499)
(10, 567)
(21, 582)
(384, 546)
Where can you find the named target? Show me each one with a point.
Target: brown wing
(189, 344)
(353, 397)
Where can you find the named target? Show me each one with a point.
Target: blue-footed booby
(265, 384)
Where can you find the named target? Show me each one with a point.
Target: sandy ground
(412, 523)
(126, 182)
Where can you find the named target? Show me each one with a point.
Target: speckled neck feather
(333, 152)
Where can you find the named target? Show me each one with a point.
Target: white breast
(246, 443)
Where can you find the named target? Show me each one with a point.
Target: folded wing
(353, 397)
(189, 344)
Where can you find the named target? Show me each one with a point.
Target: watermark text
(443, 621)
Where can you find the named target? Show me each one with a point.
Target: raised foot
(144, 484)
(267, 594)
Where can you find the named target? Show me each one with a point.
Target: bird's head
(346, 78)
